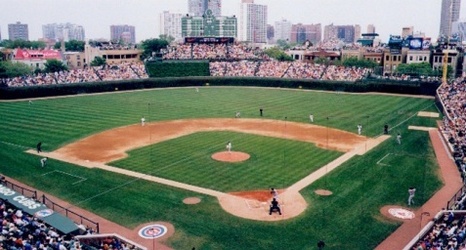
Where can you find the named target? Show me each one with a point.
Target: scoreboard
(209, 39)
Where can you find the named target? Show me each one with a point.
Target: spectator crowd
(19, 230)
(115, 72)
(449, 231)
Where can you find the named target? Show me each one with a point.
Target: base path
(97, 150)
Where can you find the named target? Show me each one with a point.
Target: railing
(451, 204)
(24, 191)
(54, 206)
(70, 214)
(94, 241)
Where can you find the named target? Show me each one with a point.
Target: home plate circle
(153, 231)
(401, 213)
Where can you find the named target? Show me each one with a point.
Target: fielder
(311, 118)
(228, 146)
(43, 161)
(143, 121)
(359, 129)
(411, 192)
(398, 138)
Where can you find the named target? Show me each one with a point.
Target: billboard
(415, 43)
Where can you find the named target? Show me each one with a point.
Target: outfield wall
(396, 87)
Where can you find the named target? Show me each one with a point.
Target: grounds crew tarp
(38, 210)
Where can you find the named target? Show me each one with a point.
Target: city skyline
(97, 16)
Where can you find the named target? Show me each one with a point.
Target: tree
(10, 69)
(415, 69)
(322, 60)
(152, 45)
(72, 45)
(283, 44)
(360, 63)
(167, 38)
(19, 43)
(98, 61)
(54, 65)
(278, 54)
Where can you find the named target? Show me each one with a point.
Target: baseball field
(185, 127)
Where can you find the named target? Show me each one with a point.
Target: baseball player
(143, 121)
(311, 118)
(274, 193)
(359, 129)
(228, 146)
(39, 147)
(398, 138)
(238, 114)
(43, 161)
(411, 192)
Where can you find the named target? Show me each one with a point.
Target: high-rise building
(300, 33)
(199, 7)
(370, 28)
(170, 24)
(208, 26)
(63, 31)
(345, 33)
(270, 32)
(17, 31)
(459, 28)
(407, 31)
(357, 32)
(253, 22)
(450, 13)
(282, 30)
(124, 33)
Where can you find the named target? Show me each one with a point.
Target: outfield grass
(349, 219)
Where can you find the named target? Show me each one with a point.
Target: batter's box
(60, 174)
(252, 204)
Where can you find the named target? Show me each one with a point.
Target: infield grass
(348, 219)
(274, 162)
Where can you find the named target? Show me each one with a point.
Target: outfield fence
(70, 214)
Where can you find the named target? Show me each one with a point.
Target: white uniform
(274, 193)
(398, 138)
(411, 192)
(237, 115)
(43, 161)
(359, 129)
(143, 121)
(228, 146)
(311, 118)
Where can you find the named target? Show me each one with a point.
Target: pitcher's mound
(233, 156)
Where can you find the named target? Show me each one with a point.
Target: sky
(96, 16)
